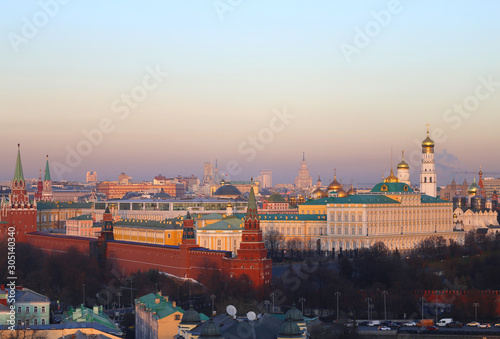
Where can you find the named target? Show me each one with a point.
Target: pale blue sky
(226, 78)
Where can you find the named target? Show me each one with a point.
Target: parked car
(484, 326)
(473, 324)
(444, 322)
(410, 324)
(497, 325)
(432, 328)
(455, 324)
(384, 328)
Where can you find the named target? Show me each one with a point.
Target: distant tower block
(303, 180)
(208, 173)
(428, 184)
(266, 178)
(404, 170)
(91, 176)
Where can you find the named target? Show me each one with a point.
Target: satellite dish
(251, 316)
(231, 310)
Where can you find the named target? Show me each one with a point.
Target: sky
(160, 87)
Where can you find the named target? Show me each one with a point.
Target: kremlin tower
(47, 183)
(428, 184)
(252, 255)
(19, 211)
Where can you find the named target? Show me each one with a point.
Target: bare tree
(274, 241)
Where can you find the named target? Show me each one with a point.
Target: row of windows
(27, 309)
(27, 322)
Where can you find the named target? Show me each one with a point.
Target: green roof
(229, 223)
(47, 171)
(285, 216)
(50, 205)
(210, 216)
(276, 197)
(427, 199)
(82, 217)
(84, 314)
(300, 217)
(18, 174)
(322, 201)
(162, 309)
(392, 187)
(364, 199)
(140, 223)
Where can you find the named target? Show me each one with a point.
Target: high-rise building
(303, 180)
(428, 183)
(266, 178)
(208, 173)
(91, 176)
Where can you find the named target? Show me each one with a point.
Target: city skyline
(342, 82)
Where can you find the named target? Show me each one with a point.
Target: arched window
(425, 179)
(430, 179)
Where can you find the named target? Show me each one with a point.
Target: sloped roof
(162, 309)
(229, 223)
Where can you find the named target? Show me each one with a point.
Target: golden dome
(318, 194)
(428, 143)
(351, 190)
(403, 164)
(473, 188)
(391, 178)
(334, 185)
(341, 193)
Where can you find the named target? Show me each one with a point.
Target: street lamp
(301, 300)
(83, 300)
(476, 305)
(368, 300)
(371, 307)
(423, 300)
(437, 292)
(213, 301)
(338, 295)
(384, 293)
(119, 294)
(272, 295)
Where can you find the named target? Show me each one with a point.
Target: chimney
(166, 298)
(174, 304)
(96, 309)
(157, 300)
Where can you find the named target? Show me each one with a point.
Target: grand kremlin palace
(392, 213)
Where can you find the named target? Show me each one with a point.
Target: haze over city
(341, 81)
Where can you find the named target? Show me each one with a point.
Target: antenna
(251, 316)
(231, 310)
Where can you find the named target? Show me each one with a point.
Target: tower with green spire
(20, 212)
(252, 255)
(18, 174)
(47, 183)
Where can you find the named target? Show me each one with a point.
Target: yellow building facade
(53, 214)
(166, 232)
